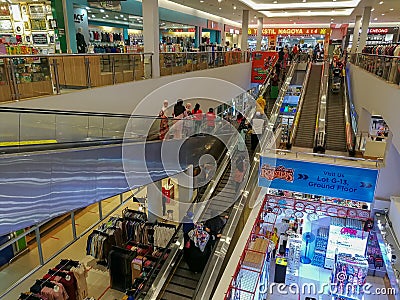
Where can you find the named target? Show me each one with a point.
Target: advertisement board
(260, 66)
(336, 181)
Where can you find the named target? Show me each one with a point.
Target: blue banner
(344, 182)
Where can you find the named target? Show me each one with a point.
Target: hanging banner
(260, 66)
(343, 182)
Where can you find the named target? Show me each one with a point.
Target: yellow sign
(290, 31)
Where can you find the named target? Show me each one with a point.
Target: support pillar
(154, 201)
(197, 36)
(245, 29)
(356, 34)
(259, 33)
(364, 28)
(151, 38)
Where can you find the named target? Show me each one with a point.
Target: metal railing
(383, 66)
(320, 126)
(29, 76)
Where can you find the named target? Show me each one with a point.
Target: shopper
(164, 126)
(179, 114)
(189, 122)
(260, 104)
(80, 41)
(257, 130)
(274, 86)
(198, 117)
(210, 117)
(199, 250)
(281, 55)
(239, 173)
(214, 227)
(295, 52)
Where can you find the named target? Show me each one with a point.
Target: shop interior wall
(134, 8)
(380, 98)
(124, 97)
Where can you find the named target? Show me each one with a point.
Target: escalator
(182, 283)
(306, 128)
(335, 121)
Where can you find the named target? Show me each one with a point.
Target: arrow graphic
(303, 176)
(365, 185)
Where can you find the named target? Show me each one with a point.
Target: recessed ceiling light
(304, 0)
(391, 9)
(93, 16)
(121, 16)
(87, 7)
(201, 1)
(125, 19)
(275, 2)
(219, 8)
(116, 17)
(219, 1)
(376, 19)
(373, 9)
(106, 16)
(381, 2)
(234, 7)
(255, 17)
(383, 14)
(101, 10)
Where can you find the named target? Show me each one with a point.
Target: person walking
(210, 117)
(164, 126)
(198, 117)
(179, 114)
(239, 173)
(257, 130)
(261, 104)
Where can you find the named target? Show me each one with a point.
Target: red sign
(290, 31)
(261, 65)
(279, 172)
(348, 231)
(378, 30)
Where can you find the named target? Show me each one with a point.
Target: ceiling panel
(226, 9)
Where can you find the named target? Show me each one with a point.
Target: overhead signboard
(290, 31)
(343, 182)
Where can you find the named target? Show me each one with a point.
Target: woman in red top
(197, 116)
(210, 116)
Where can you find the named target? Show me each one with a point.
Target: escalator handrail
(293, 130)
(320, 122)
(209, 276)
(350, 133)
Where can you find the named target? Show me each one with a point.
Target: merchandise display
(66, 281)
(293, 248)
(349, 276)
(321, 243)
(27, 28)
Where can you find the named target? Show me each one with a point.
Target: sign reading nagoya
(318, 179)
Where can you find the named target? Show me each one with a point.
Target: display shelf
(293, 260)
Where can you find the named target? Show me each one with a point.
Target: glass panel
(95, 130)
(110, 204)
(9, 124)
(25, 261)
(37, 127)
(86, 217)
(114, 127)
(70, 128)
(53, 240)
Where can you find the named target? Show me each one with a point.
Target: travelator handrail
(320, 125)
(293, 130)
(212, 271)
(350, 133)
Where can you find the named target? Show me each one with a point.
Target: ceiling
(311, 12)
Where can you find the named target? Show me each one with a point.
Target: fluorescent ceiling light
(300, 5)
(391, 9)
(381, 2)
(338, 12)
(102, 10)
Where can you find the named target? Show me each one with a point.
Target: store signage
(290, 31)
(345, 243)
(40, 39)
(378, 30)
(259, 65)
(348, 231)
(344, 182)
